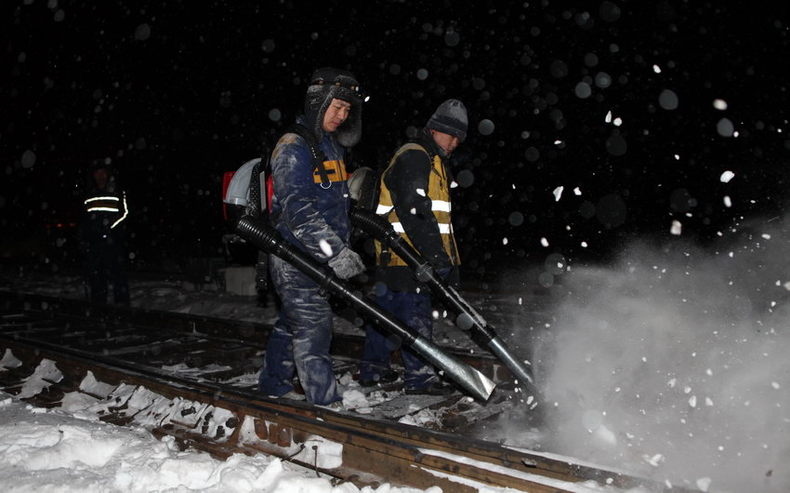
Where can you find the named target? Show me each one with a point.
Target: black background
(175, 93)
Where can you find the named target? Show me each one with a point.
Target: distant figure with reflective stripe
(309, 208)
(415, 199)
(102, 234)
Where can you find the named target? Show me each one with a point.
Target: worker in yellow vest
(415, 198)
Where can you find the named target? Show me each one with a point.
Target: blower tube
(467, 317)
(268, 239)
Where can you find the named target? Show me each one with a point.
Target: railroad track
(170, 373)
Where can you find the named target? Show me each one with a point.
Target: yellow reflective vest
(439, 194)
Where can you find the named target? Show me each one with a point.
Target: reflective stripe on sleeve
(383, 209)
(444, 229)
(440, 205)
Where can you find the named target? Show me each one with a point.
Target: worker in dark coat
(309, 209)
(415, 199)
(103, 236)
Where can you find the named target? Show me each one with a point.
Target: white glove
(347, 264)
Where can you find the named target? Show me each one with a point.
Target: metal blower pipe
(468, 318)
(266, 238)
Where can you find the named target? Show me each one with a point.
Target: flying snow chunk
(727, 201)
(326, 248)
(142, 32)
(452, 37)
(654, 460)
(577, 191)
(544, 242)
(618, 121)
(504, 241)
(608, 118)
(420, 192)
(726, 176)
(725, 128)
(28, 159)
(656, 69)
(703, 483)
(583, 90)
(720, 104)
(668, 100)
(485, 127)
(677, 228)
(603, 80)
(775, 385)
(558, 193)
(516, 218)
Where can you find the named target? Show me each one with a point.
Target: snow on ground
(65, 450)
(53, 451)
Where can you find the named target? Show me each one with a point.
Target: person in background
(103, 235)
(309, 209)
(415, 198)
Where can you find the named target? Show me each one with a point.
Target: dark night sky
(178, 92)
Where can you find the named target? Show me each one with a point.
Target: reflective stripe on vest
(108, 203)
(105, 203)
(439, 194)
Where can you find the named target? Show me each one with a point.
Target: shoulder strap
(318, 155)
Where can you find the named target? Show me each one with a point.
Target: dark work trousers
(105, 263)
(300, 340)
(414, 310)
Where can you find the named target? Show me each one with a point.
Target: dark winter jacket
(415, 198)
(308, 214)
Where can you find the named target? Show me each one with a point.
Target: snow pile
(675, 362)
(49, 450)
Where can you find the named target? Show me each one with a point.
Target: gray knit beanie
(450, 118)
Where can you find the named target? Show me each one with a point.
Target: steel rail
(373, 451)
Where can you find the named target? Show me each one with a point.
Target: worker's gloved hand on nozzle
(347, 264)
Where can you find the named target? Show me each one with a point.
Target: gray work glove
(347, 264)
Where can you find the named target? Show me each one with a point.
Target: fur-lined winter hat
(450, 118)
(326, 84)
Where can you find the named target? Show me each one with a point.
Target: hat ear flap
(318, 125)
